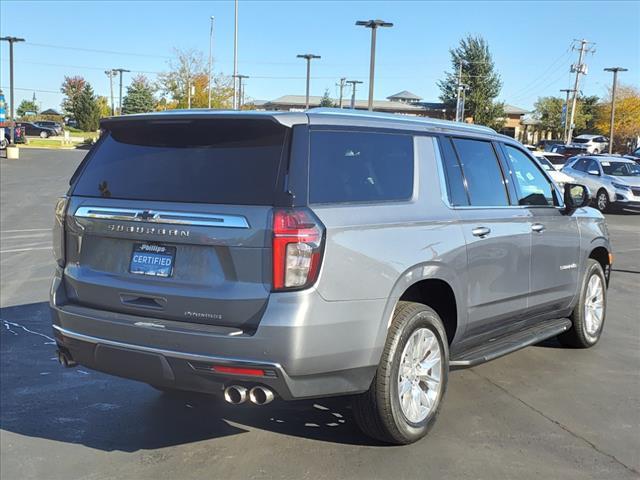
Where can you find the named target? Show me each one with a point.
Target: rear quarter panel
(376, 251)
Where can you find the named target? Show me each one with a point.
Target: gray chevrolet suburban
(264, 255)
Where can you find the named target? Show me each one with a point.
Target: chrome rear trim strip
(163, 216)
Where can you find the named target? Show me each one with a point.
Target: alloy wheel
(594, 306)
(420, 375)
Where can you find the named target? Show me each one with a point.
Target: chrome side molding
(163, 216)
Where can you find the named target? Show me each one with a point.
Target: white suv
(594, 143)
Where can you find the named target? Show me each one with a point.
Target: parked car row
(614, 181)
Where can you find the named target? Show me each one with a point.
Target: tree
(626, 124)
(87, 112)
(139, 97)
(326, 100)
(27, 106)
(548, 111)
(72, 87)
(482, 81)
(104, 108)
(186, 70)
(589, 109)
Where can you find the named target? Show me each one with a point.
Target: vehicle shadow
(41, 399)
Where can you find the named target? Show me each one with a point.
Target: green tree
(139, 97)
(482, 81)
(589, 110)
(548, 110)
(71, 87)
(326, 100)
(87, 112)
(27, 106)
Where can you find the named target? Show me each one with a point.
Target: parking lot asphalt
(543, 412)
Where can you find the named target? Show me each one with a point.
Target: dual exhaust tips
(237, 394)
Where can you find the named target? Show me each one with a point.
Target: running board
(500, 346)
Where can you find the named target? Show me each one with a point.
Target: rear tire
(44, 134)
(404, 399)
(589, 314)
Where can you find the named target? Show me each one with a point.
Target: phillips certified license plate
(153, 260)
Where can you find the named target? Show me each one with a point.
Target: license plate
(153, 260)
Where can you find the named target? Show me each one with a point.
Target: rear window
(199, 161)
(350, 166)
(581, 140)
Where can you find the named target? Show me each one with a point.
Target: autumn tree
(482, 81)
(626, 126)
(71, 87)
(187, 70)
(139, 97)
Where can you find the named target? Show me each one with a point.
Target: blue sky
(530, 42)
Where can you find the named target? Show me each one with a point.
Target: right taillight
(58, 230)
(297, 248)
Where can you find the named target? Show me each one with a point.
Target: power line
(93, 50)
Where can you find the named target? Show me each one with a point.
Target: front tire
(589, 314)
(602, 200)
(404, 399)
(44, 134)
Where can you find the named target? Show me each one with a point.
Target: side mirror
(594, 172)
(575, 196)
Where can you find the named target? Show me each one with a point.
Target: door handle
(538, 227)
(481, 231)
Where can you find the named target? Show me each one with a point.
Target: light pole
(111, 74)
(235, 57)
(615, 71)
(353, 92)
(308, 57)
(210, 52)
(11, 41)
(121, 71)
(373, 25)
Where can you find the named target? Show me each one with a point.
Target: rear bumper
(306, 346)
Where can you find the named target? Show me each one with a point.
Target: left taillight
(297, 248)
(58, 230)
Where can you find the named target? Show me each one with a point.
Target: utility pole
(615, 71)
(373, 25)
(341, 85)
(12, 130)
(461, 87)
(241, 90)
(566, 114)
(308, 57)
(121, 71)
(353, 92)
(579, 69)
(189, 92)
(111, 74)
(210, 58)
(235, 58)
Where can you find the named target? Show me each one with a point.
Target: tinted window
(482, 173)
(592, 165)
(455, 180)
(532, 186)
(207, 161)
(360, 167)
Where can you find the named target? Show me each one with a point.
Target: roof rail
(404, 118)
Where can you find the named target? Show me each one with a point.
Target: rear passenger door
(555, 243)
(497, 236)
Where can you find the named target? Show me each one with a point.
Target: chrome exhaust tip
(66, 360)
(261, 395)
(235, 394)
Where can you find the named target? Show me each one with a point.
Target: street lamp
(353, 84)
(210, 50)
(308, 57)
(373, 25)
(11, 41)
(121, 71)
(615, 71)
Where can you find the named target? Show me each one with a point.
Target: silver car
(614, 180)
(258, 255)
(593, 143)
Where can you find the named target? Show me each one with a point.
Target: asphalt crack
(556, 422)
